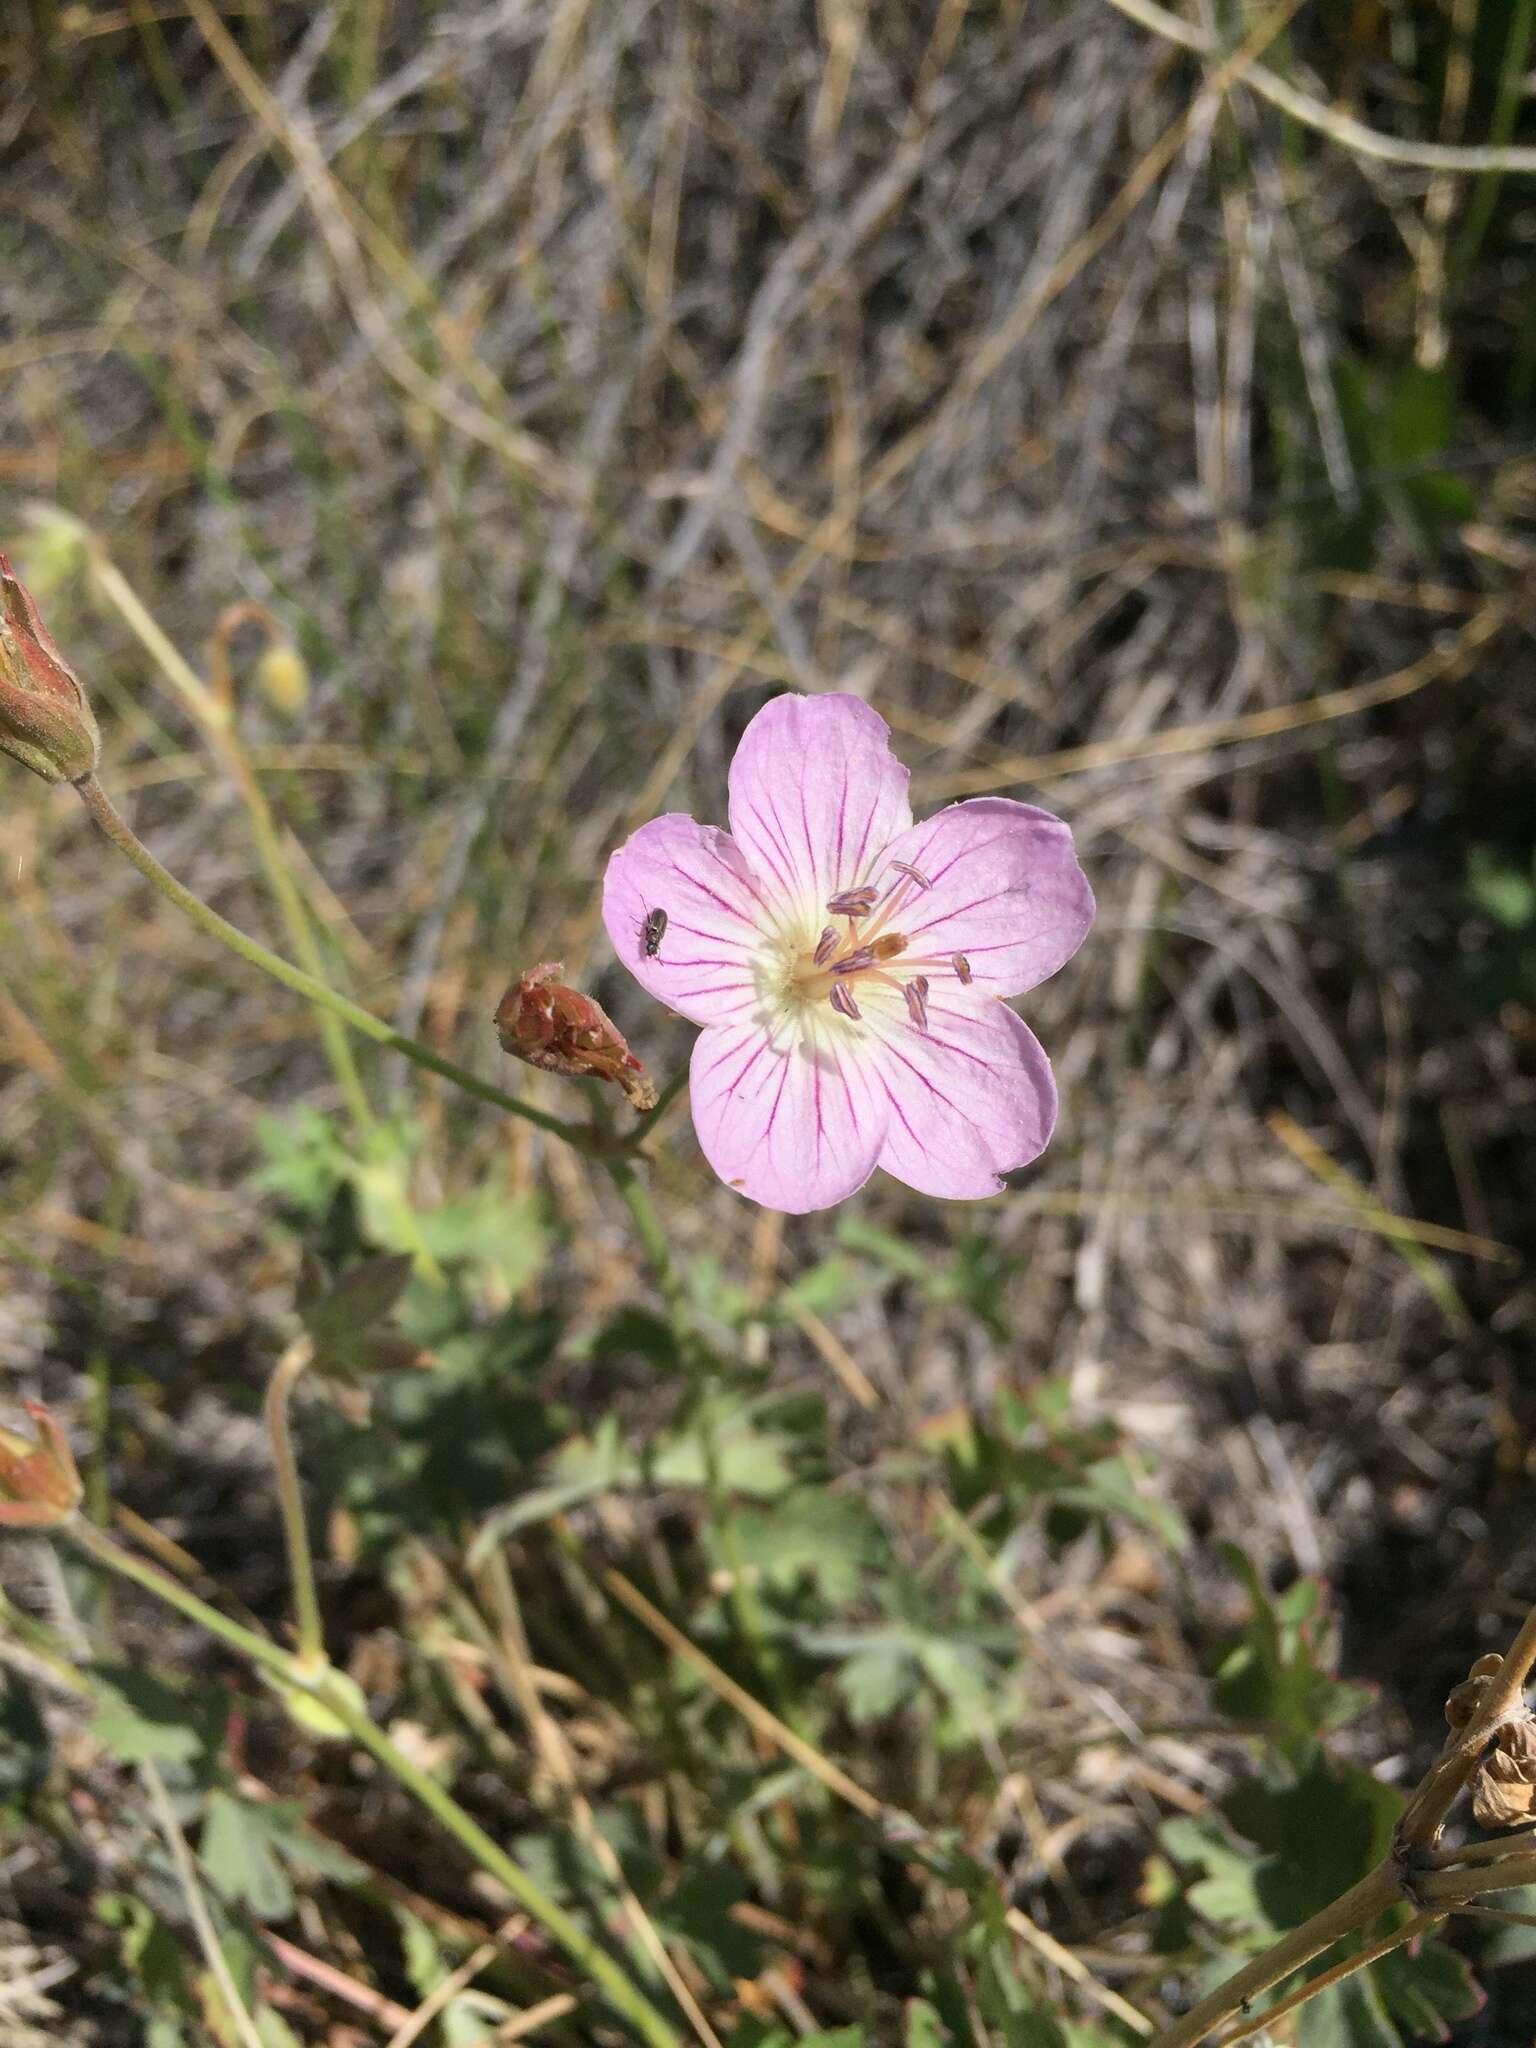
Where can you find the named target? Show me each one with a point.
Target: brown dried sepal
(39, 1484)
(1504, 1790)
(45, 721)
(1463, 1701)
(557, 1028)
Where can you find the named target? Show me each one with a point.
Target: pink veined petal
(970, 1098)
(1007, 892)
(790, 1119)
(704, 967)
(816, 794)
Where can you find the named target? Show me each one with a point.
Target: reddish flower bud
(45, 721)
(39, 1485)
(557, 1028)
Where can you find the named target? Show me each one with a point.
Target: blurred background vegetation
(498, 400)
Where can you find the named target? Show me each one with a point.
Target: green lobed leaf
(237, 1854)
(141, 1719)
(811, 1533)
(924, 2027)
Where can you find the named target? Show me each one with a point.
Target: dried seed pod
(1504, 1790)
(39, 1485)
(562, 1031)
(45, 721)
(1464, 1700)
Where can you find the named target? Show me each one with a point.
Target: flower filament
(867, 950)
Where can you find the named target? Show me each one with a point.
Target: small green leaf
(496, 1233)
(829, 1538)
(876, 1681)
(142, 1720)
(924, 2027)
(824, 1288)
(246, 1844)
(1426, 1985)
(236, 1851)
(1500, 890)
(273, 2030)
(306, 1161)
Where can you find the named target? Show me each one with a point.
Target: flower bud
(283, 678)
(45, 721)
(557, 1028)
(39, 1485)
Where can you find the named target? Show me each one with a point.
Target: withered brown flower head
(39, 1485)
(557, 1028)
(45, 721)
(1504, 1790)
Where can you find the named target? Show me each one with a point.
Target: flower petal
(970, 1098)
(704, 965)
(1007, 892)
(788, 1117)
(816, 794)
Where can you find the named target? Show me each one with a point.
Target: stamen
(962, 967)
(912, 874)
(916, 993)
(853, 902)
(861, 956)
(826, 946)
(887, 946)
(842, 1001)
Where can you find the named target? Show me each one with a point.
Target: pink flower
(848, 966)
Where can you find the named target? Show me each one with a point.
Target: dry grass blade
(1441, 664)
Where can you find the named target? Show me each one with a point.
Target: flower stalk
(114, 827)
(1415, 1870)
(301, 1563)
(328, 1689)
(213, 709)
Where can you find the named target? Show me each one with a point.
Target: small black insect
(652, 932)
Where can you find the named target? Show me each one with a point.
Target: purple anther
(842, 1001)
(916, 993)
(853, 902)
(912, 874)
(826, 946)
(861, 956)
(962, 966)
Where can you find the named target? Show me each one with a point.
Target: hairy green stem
(1357, 1908)
(217, 721)
(115, 828)
(326, 1688)
(664, 1102)
(696, 1358)
(301, 1563)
